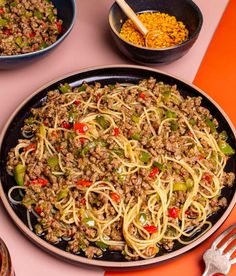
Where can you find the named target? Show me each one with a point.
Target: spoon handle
(131, 14)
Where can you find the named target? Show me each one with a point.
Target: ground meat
(27, 26)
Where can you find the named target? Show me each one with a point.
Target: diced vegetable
(166, 95)
(40, 181)
(19, 40)
(135, 119)
(72, 116)
(84, 183)
(170, 114)
(142, 95)
(142, 218)
(3, 22)
(154, 172)
(80, 127)
(145, 156)
(66, 125)
(189, 183)
(53, 161)
(118, 151)
(207, 177)
(116, 131)
(192, 122)
(30, 147)
(102, 122)
(115, 196)
(59, 26)
(38, 210)
(224, 135)
(38, 14)
(81, 88)
(62, 194)
(28, 14)
(136, 136)
(174, 126)
(210, 124)
(42, 130)
(226, 148)
(158, 165)
(64, 88)
(173, 212)
(43, 45)
(13, 4)
(179, 186)
(150, 229)
(19, 174)
(89, 222)
(101, 245)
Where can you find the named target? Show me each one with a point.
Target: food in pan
(123, 167)
(27, 26)
(169, 31)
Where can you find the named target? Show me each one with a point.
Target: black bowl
(67, 12)
(109, 75)
(184, 10)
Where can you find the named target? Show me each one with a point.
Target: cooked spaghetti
(125, 167)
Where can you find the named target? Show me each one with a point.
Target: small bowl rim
(58, 41)
(195, 33)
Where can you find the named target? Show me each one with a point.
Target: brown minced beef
(27, 26)
(95, 160)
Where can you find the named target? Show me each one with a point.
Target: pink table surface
(89, 44)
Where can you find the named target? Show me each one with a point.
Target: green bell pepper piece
(89, 222)
(210, 124)
(19, 174)
(101, 245)
(145, 156)
(136, 136)
(226, 148)
(62, 194)
(102, 122)
(53, 161)
(179, 186)
(170, 114)
(64, 88)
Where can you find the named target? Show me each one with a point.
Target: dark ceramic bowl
(112, 260)
(184, 10)
(67, 12)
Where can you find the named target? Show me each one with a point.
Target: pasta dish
(125, 167)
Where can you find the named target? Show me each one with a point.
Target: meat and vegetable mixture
(27, 26)
(125, 167)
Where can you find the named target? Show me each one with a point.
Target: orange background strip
(217, 77)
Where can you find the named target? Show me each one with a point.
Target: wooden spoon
(148, 35)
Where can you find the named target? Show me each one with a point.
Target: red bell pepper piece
(115, 196)
(80, 127)
(154, 172)
(173, 212)
(30, 147)
(142, 95)
(41, 181)
(59, 26)
(207, 177)
(150, 228)
(85, 183)
(116, 131)
(66, 125)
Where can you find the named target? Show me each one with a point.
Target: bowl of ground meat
(118, 166)
(31, 29)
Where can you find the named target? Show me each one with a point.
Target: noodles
(126, 167)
